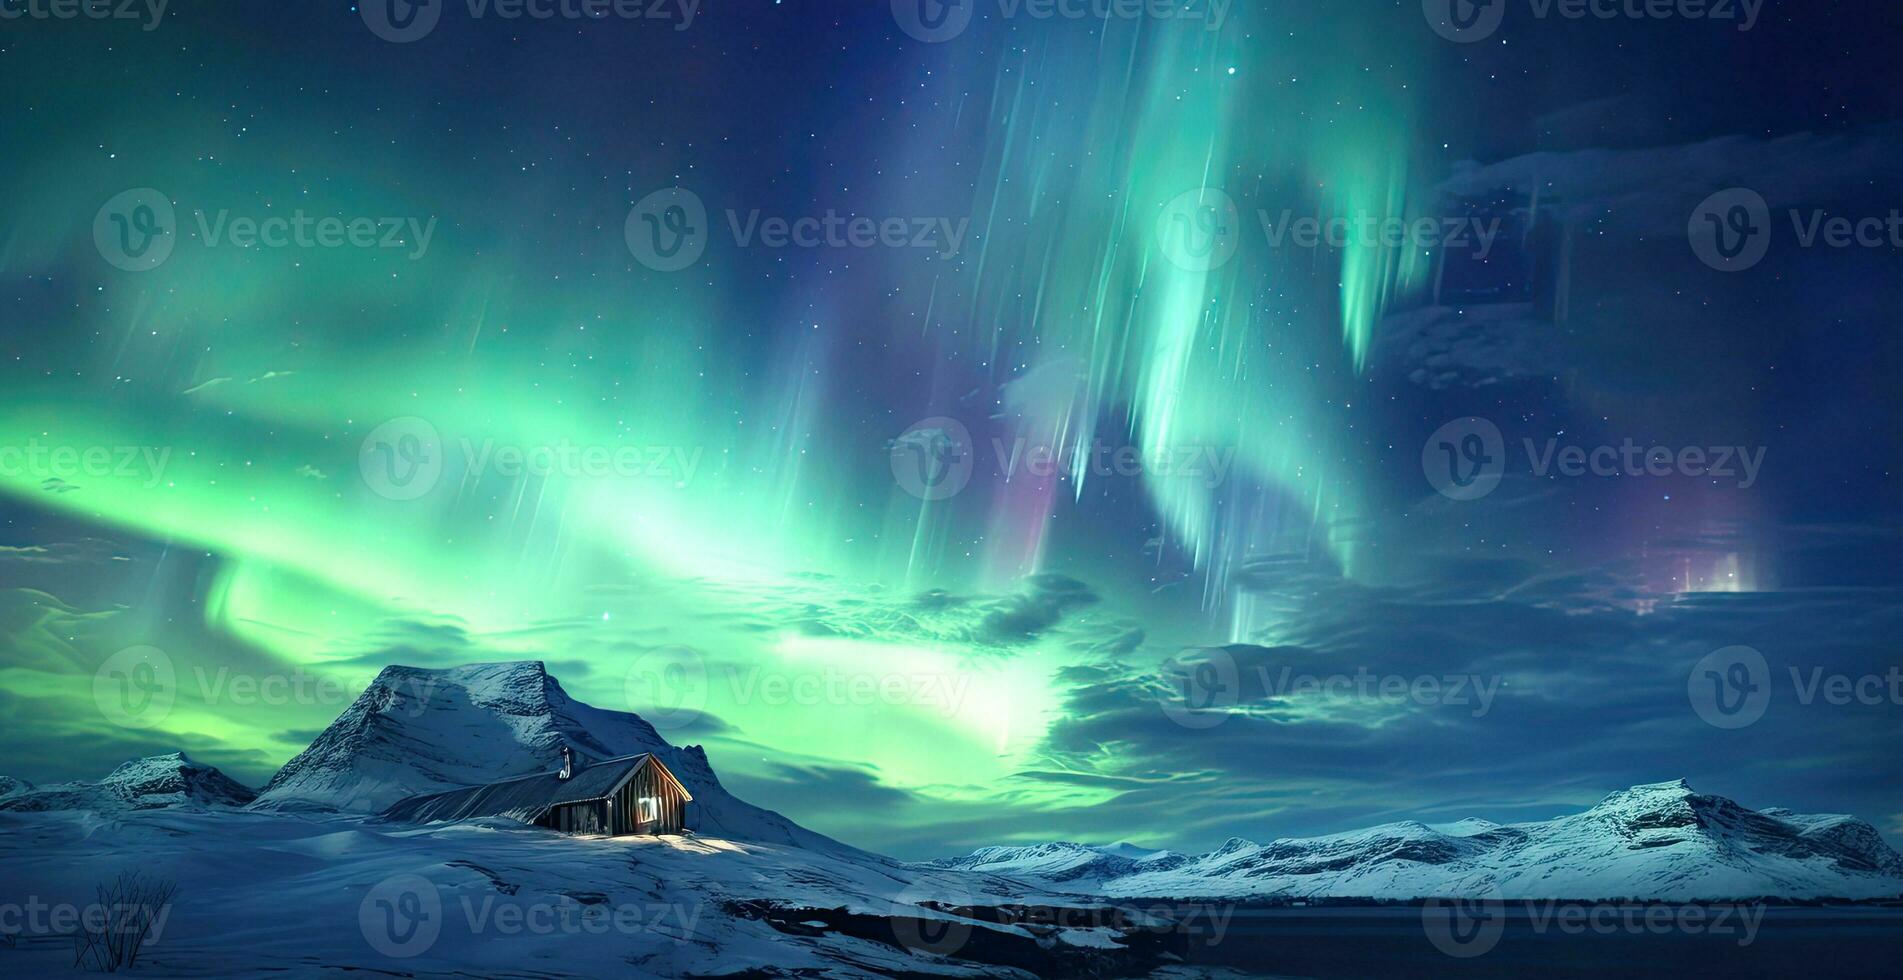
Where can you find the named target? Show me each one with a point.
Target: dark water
(1541, 942)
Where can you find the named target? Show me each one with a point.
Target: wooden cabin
(634, 794)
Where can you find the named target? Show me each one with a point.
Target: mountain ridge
(170, 779)
(1654, 840)
(419, 730)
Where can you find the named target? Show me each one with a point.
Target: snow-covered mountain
(309, 880)
(1077, 866)
(156, 781)
(416, 730)
(1661, 841)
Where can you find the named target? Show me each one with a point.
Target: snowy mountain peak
(1664, 812)
(1132, 850)
(1467, 827)
(418, 730)
(1649, 794)
(173, 779)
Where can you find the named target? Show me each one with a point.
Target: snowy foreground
(303, 894)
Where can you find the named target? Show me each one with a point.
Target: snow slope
(157, 781)
(1660, 841)
(305, 894)
(416, 731)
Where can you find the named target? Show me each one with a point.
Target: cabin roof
(527, 798)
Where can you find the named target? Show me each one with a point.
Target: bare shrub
(112, 932)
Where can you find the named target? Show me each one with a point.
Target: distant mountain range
(416, 731)
(1658, 841)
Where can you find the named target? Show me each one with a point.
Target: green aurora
(772, 545)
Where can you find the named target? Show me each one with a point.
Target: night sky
(1018, 510)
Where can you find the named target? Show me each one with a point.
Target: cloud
(984, 624)
(1589, 694)
(1652, 191)
(1442, 347)
(1029, 614)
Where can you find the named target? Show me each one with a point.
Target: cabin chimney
(568, 763)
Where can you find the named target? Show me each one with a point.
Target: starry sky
(1022, 518)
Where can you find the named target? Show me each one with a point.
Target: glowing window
(650, 809)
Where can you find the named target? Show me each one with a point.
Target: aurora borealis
(678, 487)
